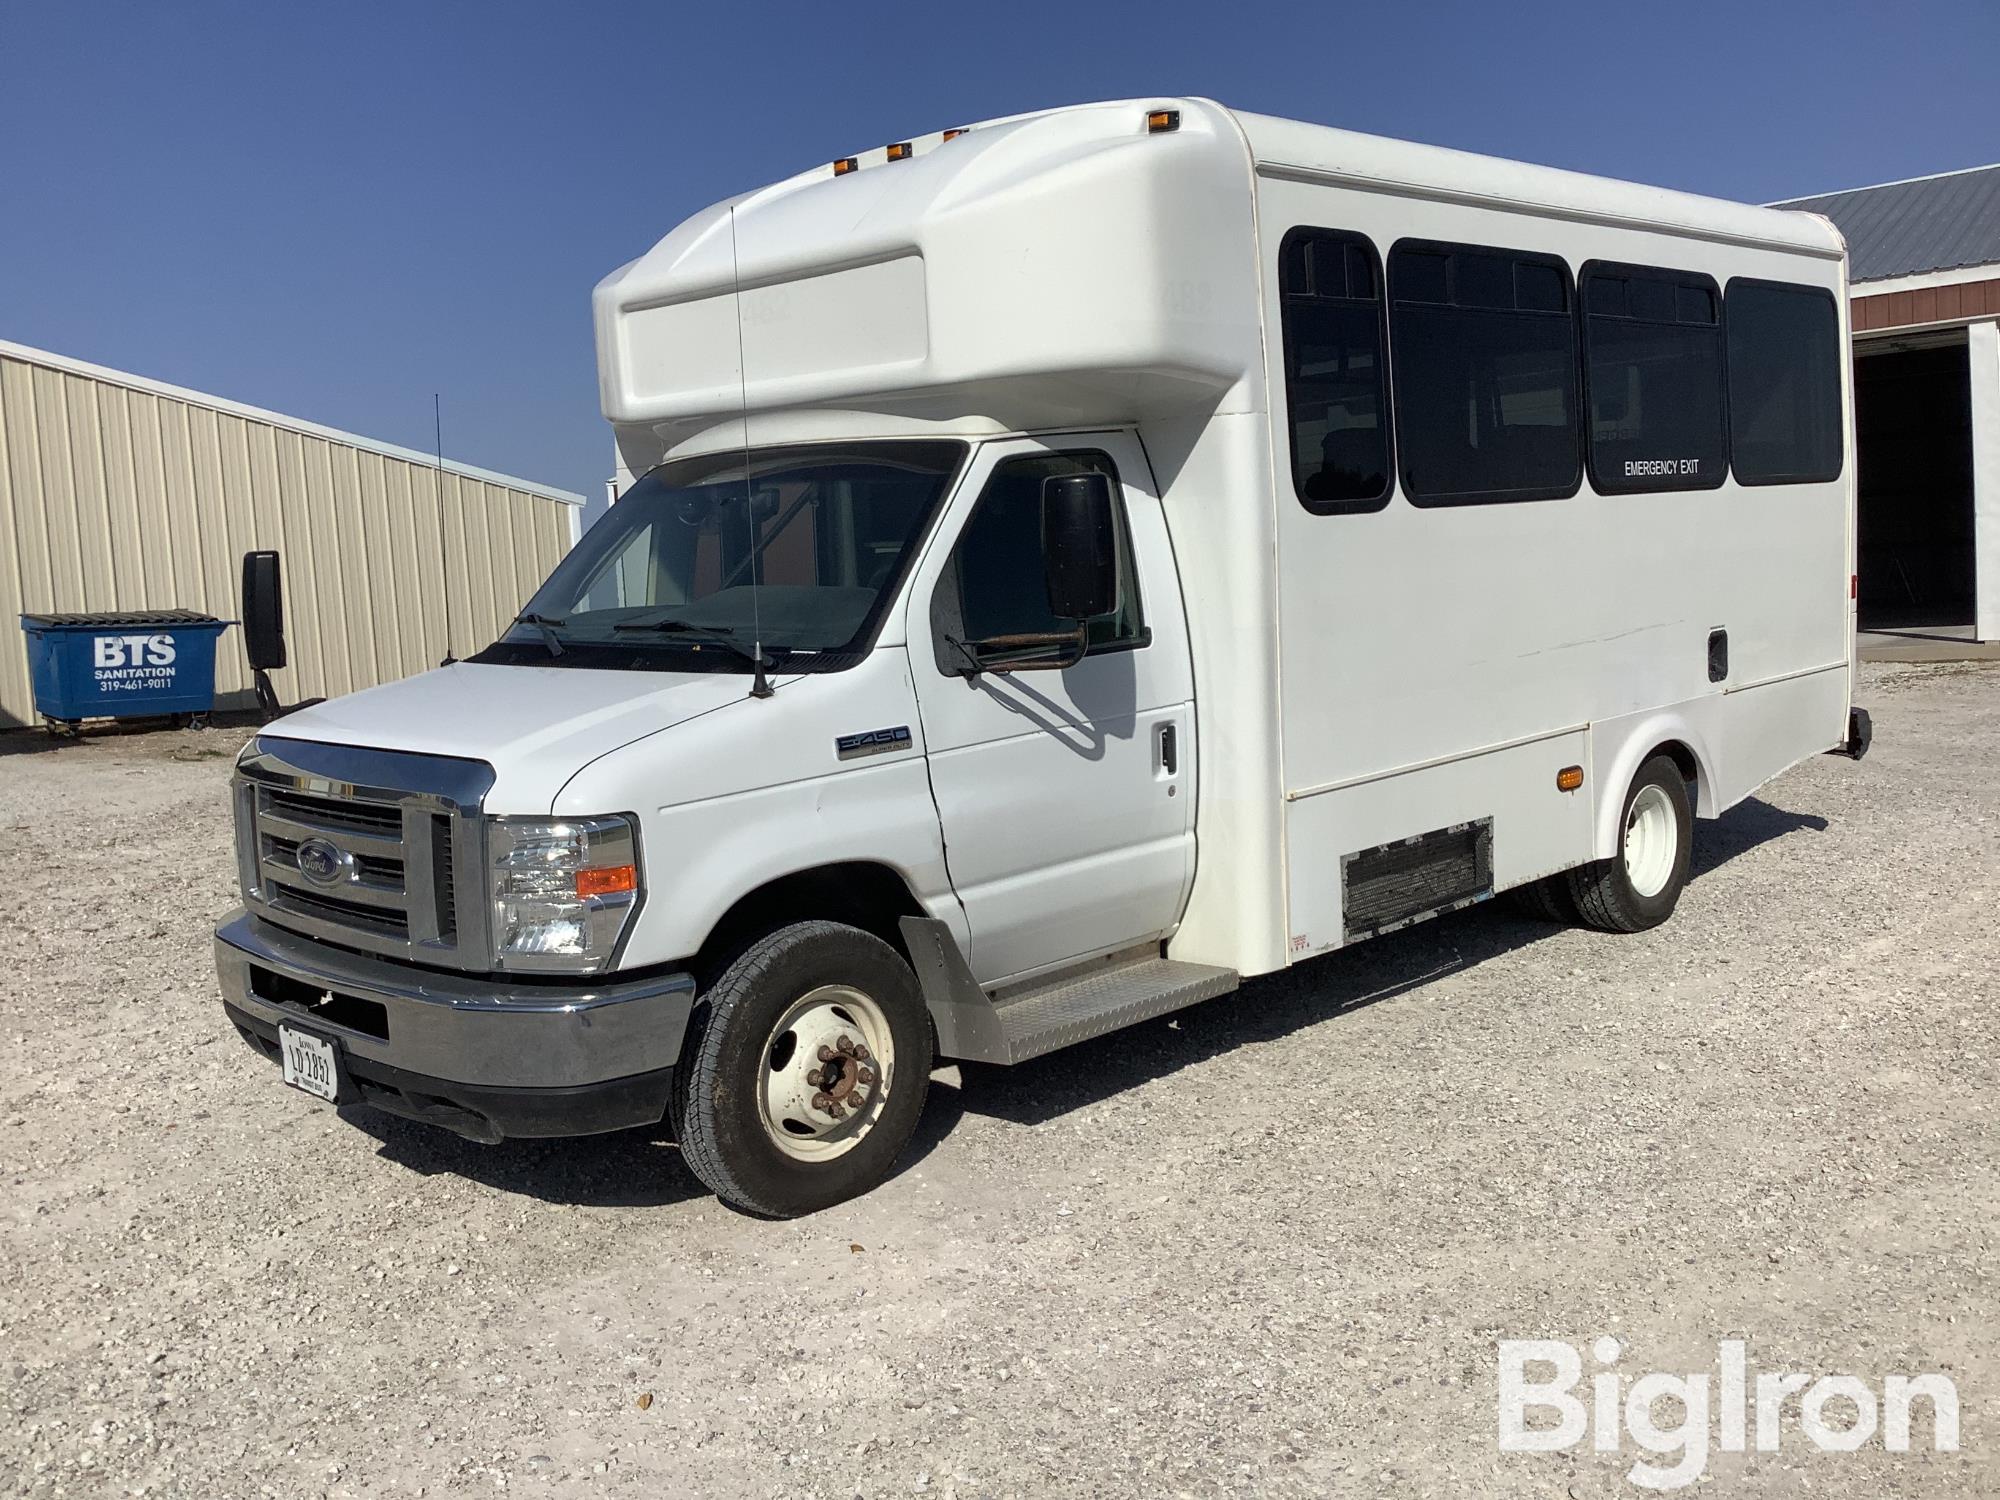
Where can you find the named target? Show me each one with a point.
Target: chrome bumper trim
(462, 1027)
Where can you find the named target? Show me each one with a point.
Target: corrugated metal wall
(123, 497)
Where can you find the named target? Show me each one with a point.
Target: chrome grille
(389, 832)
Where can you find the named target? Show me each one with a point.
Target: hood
(536, 726)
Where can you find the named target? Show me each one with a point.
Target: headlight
(563, 890)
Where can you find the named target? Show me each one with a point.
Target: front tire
(806, 1071)
(1639, 887)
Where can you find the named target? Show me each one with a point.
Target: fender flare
(1639, 739)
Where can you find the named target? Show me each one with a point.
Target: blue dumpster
(122, 666)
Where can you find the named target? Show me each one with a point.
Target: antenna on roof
(444, 551)
(760, 686)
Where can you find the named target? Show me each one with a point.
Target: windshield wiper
(547, 625)
(717, 635)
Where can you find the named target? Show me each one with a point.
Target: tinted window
(1653, 366)
(1784, 383)
(1335, 389)
(1486, 374)
(997, 584)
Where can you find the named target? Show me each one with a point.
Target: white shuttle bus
(1077, 563)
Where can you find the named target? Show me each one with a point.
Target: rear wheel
(1639, 887)
(1546, 900)
(806, 1072)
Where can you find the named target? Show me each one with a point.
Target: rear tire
(770, 1124)
(1546, 900)
(1638, 887)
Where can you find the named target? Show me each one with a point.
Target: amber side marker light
(1569, 778)
(901, 151)
(845, 165)
(955, 132)
(614, 881)
(1162, 119)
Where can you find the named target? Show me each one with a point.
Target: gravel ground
(1265, 1248)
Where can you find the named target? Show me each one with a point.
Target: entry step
(1074, 1010)
(1040, 1018)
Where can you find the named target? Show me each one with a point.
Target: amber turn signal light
(612, 881)
(1569, 778)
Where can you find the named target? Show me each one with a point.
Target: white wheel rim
(1652, 840)
(828, 1067)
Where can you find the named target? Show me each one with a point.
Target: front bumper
(487, 1058)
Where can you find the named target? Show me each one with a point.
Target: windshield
(797, 549)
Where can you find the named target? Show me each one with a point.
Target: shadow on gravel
(1272, 1007)
(642, 1168)
(36, 740)
(1745, 826)
(639, 1168)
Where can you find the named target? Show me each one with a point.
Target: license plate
(310, 1063)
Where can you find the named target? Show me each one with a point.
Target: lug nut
(822, 1101)
(866, 1075)
(827, 1054)
(846, 1045)
(861, 1052)
(815, 1077)
(833, 1108)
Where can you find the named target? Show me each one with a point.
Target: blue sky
(334, 210)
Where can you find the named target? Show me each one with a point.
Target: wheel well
(871, 897)
(1683, 757)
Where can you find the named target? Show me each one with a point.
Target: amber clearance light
(1569, 778)
(614, 880)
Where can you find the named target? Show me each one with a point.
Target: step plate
(1060, 1015)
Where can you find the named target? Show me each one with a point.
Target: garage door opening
(1913, 432)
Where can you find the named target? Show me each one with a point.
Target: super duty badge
(874, 742)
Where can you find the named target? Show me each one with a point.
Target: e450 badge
(874, 742)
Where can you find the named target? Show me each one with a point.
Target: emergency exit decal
(132, 663)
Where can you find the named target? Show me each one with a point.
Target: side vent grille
(1393, 885)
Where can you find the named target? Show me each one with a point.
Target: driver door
(1066, 796)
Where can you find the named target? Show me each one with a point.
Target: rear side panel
(1565, 631)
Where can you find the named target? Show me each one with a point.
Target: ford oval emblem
(320, 862)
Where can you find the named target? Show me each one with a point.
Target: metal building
(120, 493)
(1924, 267)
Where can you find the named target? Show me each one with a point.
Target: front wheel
(806, 1073)
(1639, 887)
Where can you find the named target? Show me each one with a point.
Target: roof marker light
(845, 165)
(1160, 120)
(901, 151)
(955, 132)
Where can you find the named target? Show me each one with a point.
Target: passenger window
(1486, 374)
(996, 583)
(1784, 383)
(1336, 396)
(1653, 373)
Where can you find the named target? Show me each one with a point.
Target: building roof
(1907, 228)
(277, 419)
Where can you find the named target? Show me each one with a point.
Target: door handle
(1170, 755)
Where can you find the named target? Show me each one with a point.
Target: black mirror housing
(1079, 546)
(263, 611)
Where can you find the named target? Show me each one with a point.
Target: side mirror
(1079, 546)
(263, 611)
